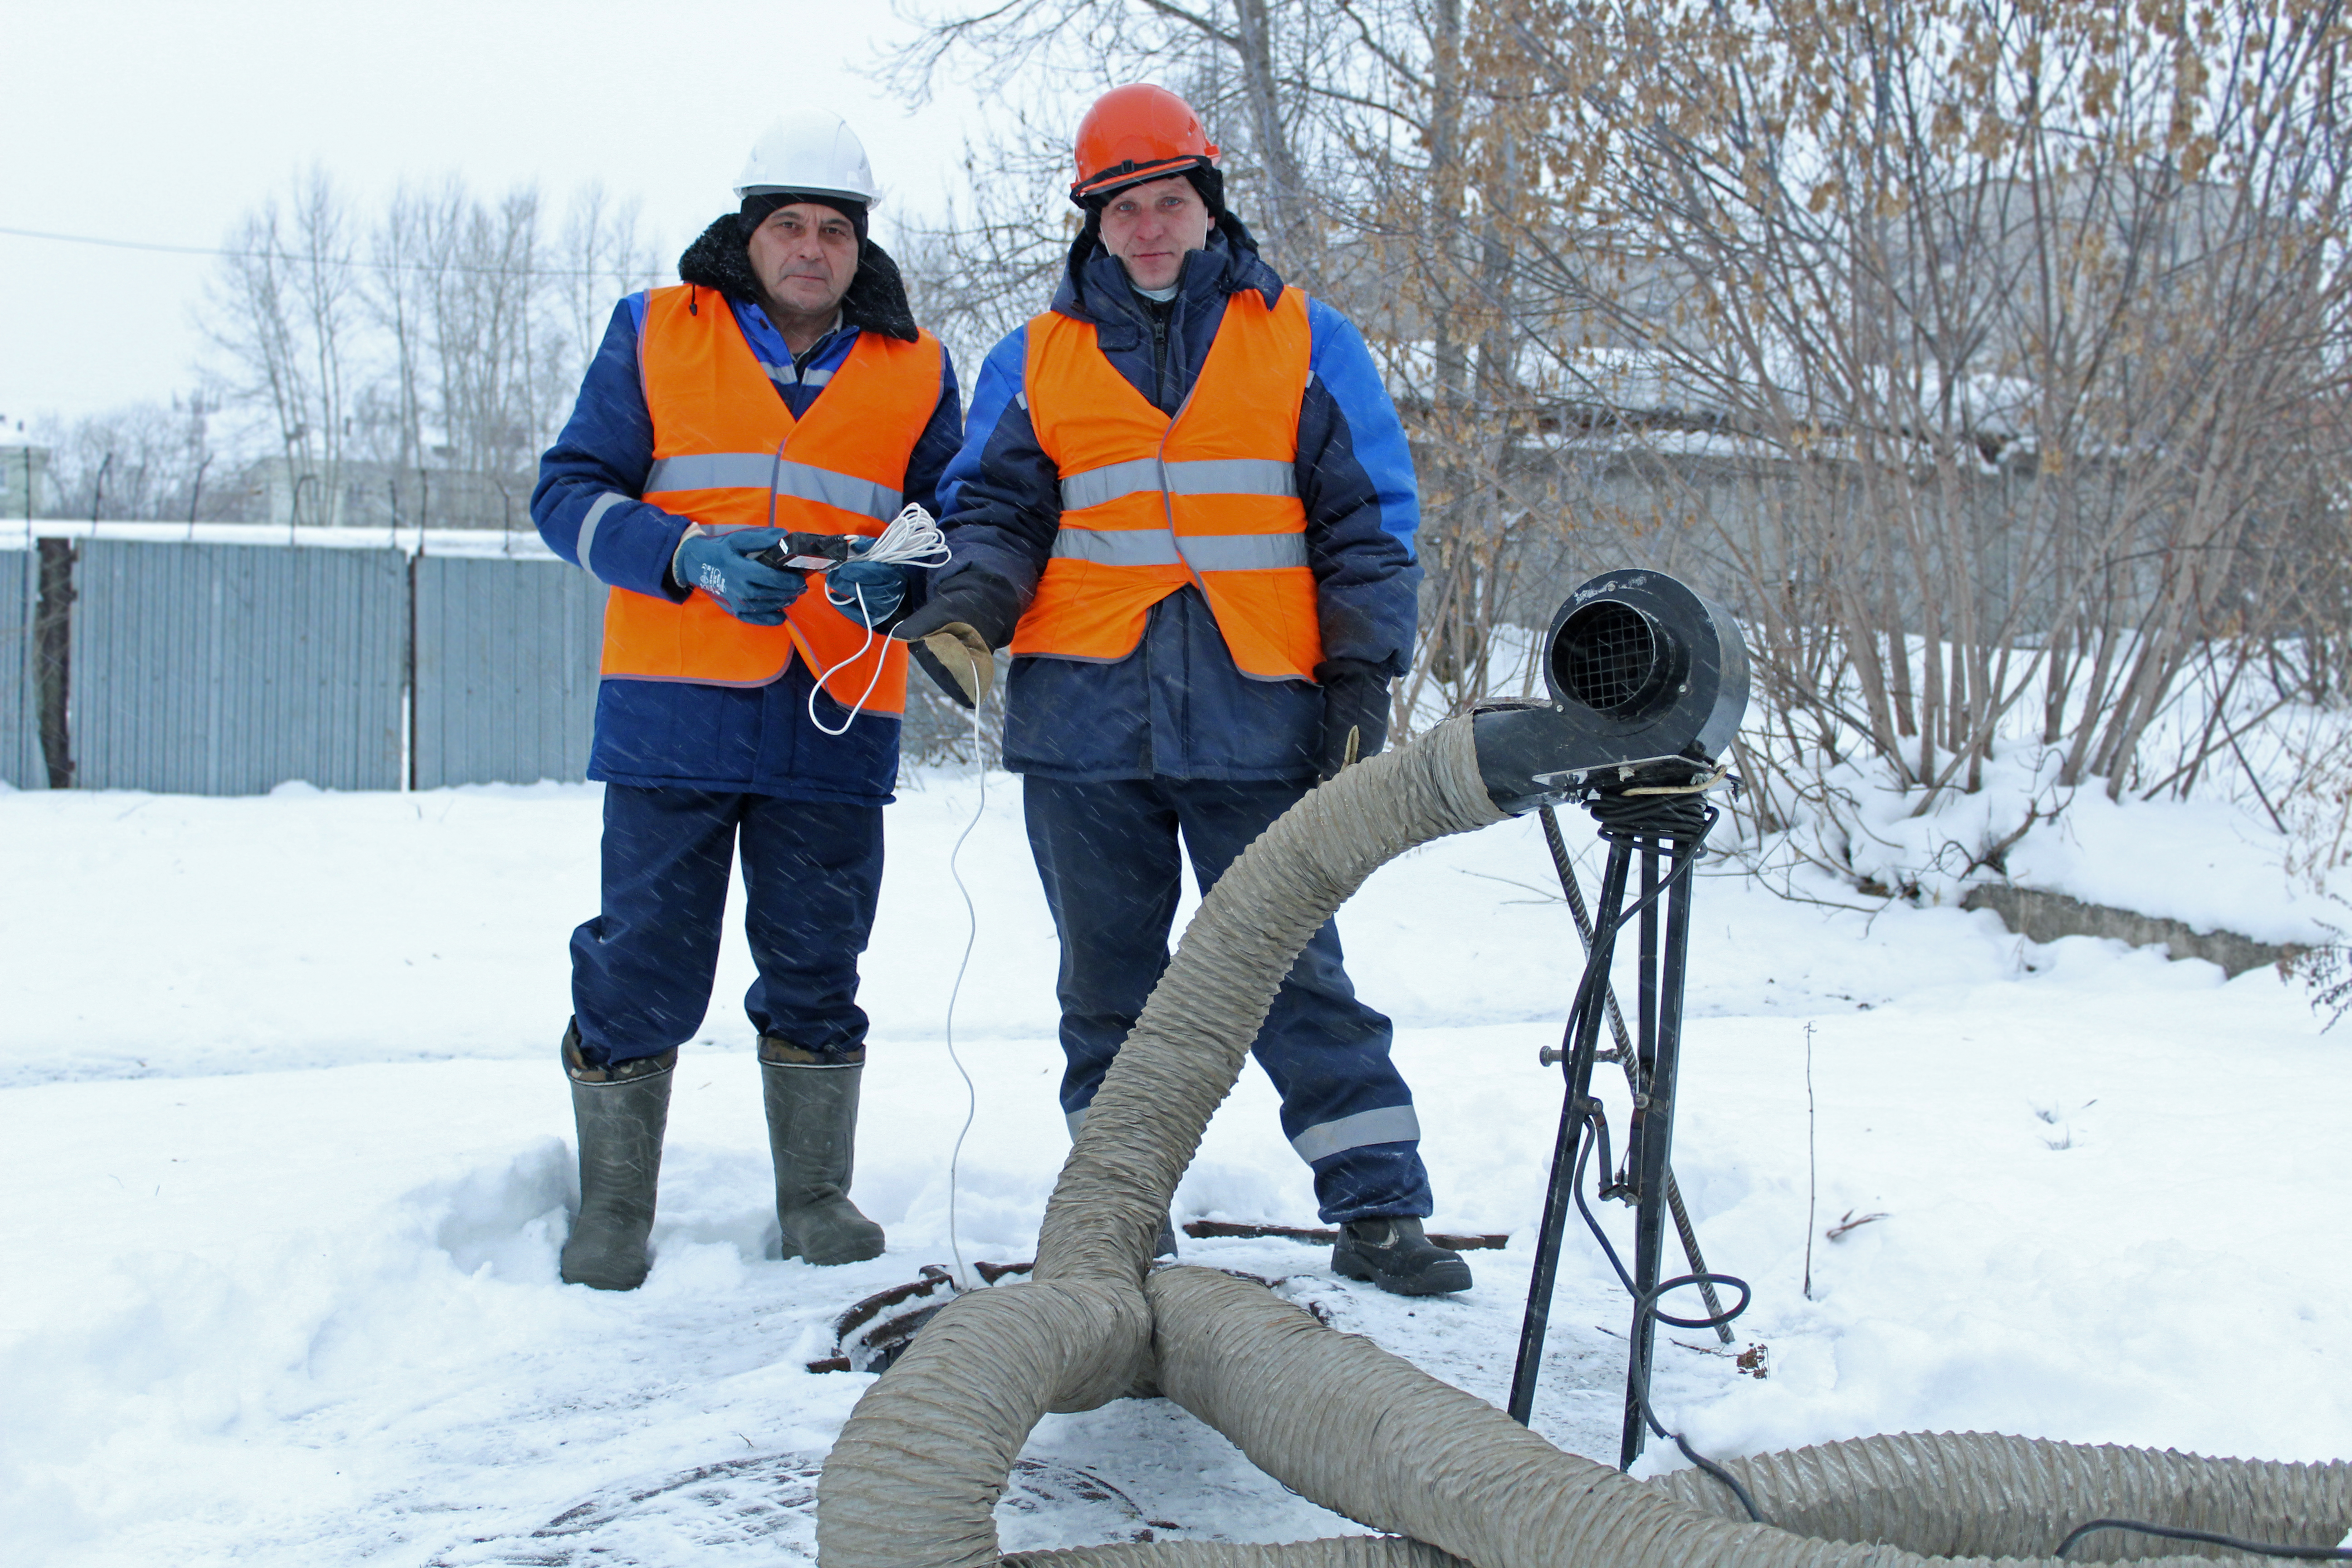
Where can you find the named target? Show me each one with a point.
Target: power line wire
(118, 244)
(288, 257)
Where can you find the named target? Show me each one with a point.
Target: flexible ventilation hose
(914, 1478)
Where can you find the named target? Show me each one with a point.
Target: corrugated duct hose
(915, 1476)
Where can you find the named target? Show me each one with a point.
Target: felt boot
(812, 1134)
(621, 1111)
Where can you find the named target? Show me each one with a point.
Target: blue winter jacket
(1178, 707)
(755, 740)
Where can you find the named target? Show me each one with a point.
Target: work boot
(1394, 1254)
(812, 1134)
(620, 1111)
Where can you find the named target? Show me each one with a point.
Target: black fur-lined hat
(760, 204)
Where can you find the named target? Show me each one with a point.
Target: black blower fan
(1648, 682)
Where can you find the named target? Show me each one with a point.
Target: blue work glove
(879, 584)
(720, 564)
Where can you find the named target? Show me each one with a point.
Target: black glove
(1355, 713)
(952, 633)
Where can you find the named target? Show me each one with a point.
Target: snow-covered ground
(285, 1152)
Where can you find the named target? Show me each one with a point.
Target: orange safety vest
(1150, 504)
(726, 449)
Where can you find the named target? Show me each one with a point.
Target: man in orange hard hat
(1185, 502)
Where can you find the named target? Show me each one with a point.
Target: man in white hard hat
(781, 386)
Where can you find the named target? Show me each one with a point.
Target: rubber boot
(620, 1112)
(1394, 1254)
(812, 1134)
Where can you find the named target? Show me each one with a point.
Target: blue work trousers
(642, 970)
(1107, 853)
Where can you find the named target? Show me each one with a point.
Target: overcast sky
(165, 122)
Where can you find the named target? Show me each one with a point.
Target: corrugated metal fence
(228, 668)
(20, 724)
(505, 669)
(212, 668)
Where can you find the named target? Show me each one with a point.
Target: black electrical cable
(1639, 1386)
(2170, 1533)
(1637, 1383)
(1679, 815)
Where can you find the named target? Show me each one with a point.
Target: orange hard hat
(1137, 133)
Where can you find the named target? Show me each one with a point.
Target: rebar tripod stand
(1665, 829)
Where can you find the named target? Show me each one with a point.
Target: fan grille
(1607, 656)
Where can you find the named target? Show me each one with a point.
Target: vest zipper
(1160, 355)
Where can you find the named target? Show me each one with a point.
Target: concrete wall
(2043, 916)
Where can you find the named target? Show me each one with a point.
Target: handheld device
(807, 552)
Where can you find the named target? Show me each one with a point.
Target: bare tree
(483, 328)
(398, 297)
(285, 307)
(1239, 62)
(146, 461)
(603, 255)
(1987, 354)
(992, 261)
(1980, 352)
(419, 375)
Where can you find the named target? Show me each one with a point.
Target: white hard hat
(811, 151)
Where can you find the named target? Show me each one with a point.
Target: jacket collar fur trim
(1095, 287)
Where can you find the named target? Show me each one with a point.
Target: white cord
(971, 936)
(845, 664)
(913, 539)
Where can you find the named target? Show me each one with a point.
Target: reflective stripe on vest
(1150, 504)
(1210, 476)
(718, 431)
(763, 470)
(1200, 551)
